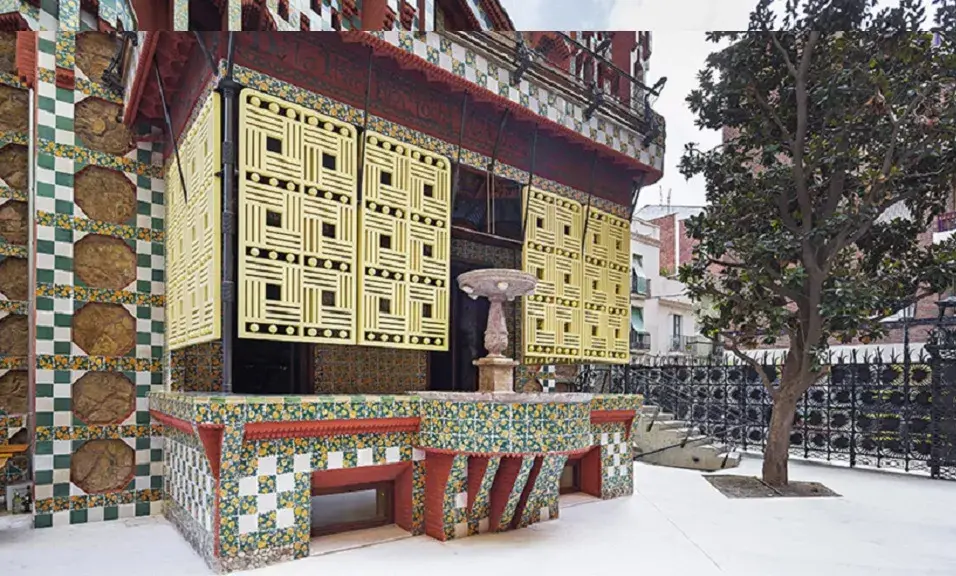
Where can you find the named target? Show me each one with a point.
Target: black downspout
(491, 172)
(527, 203)
(360, 179)
(636, 194)
(456, 179)
(587, 212)
(229, 90)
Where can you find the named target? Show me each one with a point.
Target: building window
(637, 318)
(678, 325)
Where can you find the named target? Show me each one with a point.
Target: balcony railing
(640, 285)
(691, 345)
(640, 340)
(946, 222)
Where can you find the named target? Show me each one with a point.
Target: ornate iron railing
(884, 411)
(640, 340)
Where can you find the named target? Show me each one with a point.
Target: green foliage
(843, 154)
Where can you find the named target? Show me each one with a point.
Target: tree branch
(800, 138)
(733, 346)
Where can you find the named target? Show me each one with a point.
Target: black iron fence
(880, 410)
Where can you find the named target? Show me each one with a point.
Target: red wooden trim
(625, 417)
(26, 58)
(500, 21)
(211, 437)
(569, 453)
(13, 22)
(344, 477)
(591, 472)
(435, 73)
(65, 78)
(318, 428)
(173, 422)
(142, 75)
(501, 489)
(438, 468)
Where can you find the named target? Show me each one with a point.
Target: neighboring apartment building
(663, 318)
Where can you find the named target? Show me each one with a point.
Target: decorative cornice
(173, 422)
(569, 453)
(319, 428)
(142, 73)
(406, 14)
(500, 20)
(211, 437)
(436, 73)
(625, 417)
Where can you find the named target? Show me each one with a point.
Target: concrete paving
(675, 524)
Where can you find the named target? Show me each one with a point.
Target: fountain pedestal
(496, 371)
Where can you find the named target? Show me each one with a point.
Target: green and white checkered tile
(54, 184)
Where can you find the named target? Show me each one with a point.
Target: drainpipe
(229, 90)
(31, 269)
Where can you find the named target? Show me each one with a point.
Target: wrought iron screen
(880, 411)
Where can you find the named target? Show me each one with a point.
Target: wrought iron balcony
(640, 285)
(691, 345)
(640, 340)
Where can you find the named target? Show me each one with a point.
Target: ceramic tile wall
(495, 76)
(189, 490)
(617, 462)
(478, 517)
(369, 370)
(14, 291)
(86, 322)
(542, 502)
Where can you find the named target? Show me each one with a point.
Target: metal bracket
(596, 95)
(524, 56)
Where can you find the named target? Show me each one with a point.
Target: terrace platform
(884, 524)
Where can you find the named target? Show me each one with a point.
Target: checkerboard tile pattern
(189, 482)
(496, 77)
(617, 463)
(546, 377)
(62, 293)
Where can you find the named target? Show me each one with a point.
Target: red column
(622, 49)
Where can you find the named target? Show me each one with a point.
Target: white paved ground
(676, 524)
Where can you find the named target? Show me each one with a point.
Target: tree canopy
(842, 152)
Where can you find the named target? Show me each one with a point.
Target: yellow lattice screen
(405, 246)
(194, 233)
(607, 286)
(551, 322)
(297, 223)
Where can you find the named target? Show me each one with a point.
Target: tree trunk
(777, 453)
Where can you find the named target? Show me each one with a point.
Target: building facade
(229, 260)
(663, 317)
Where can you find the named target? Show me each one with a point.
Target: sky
(678, 51)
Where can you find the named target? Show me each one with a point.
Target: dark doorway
(570, 477)
(453, 370)
(357, 507)
(266, 367)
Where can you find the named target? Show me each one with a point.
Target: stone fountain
(498, 285)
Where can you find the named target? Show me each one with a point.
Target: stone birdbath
(496, 371)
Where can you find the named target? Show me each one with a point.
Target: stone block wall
(14, 273)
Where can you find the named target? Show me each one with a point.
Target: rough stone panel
(369, 370)
(104, 262)
(13, 222)
(14, 114)
(102, 466)
(13, 335)
(103, 398)
(105, 195)
(13, 278)
(94, 50)
(13, 166)
(104, 329)
(14, 389)
(8, 52)
(99, 125)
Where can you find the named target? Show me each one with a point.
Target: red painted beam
(501, 489)
(438, 468)
(477, 466)
(526, 492)
(625, 417)
(318, 428)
